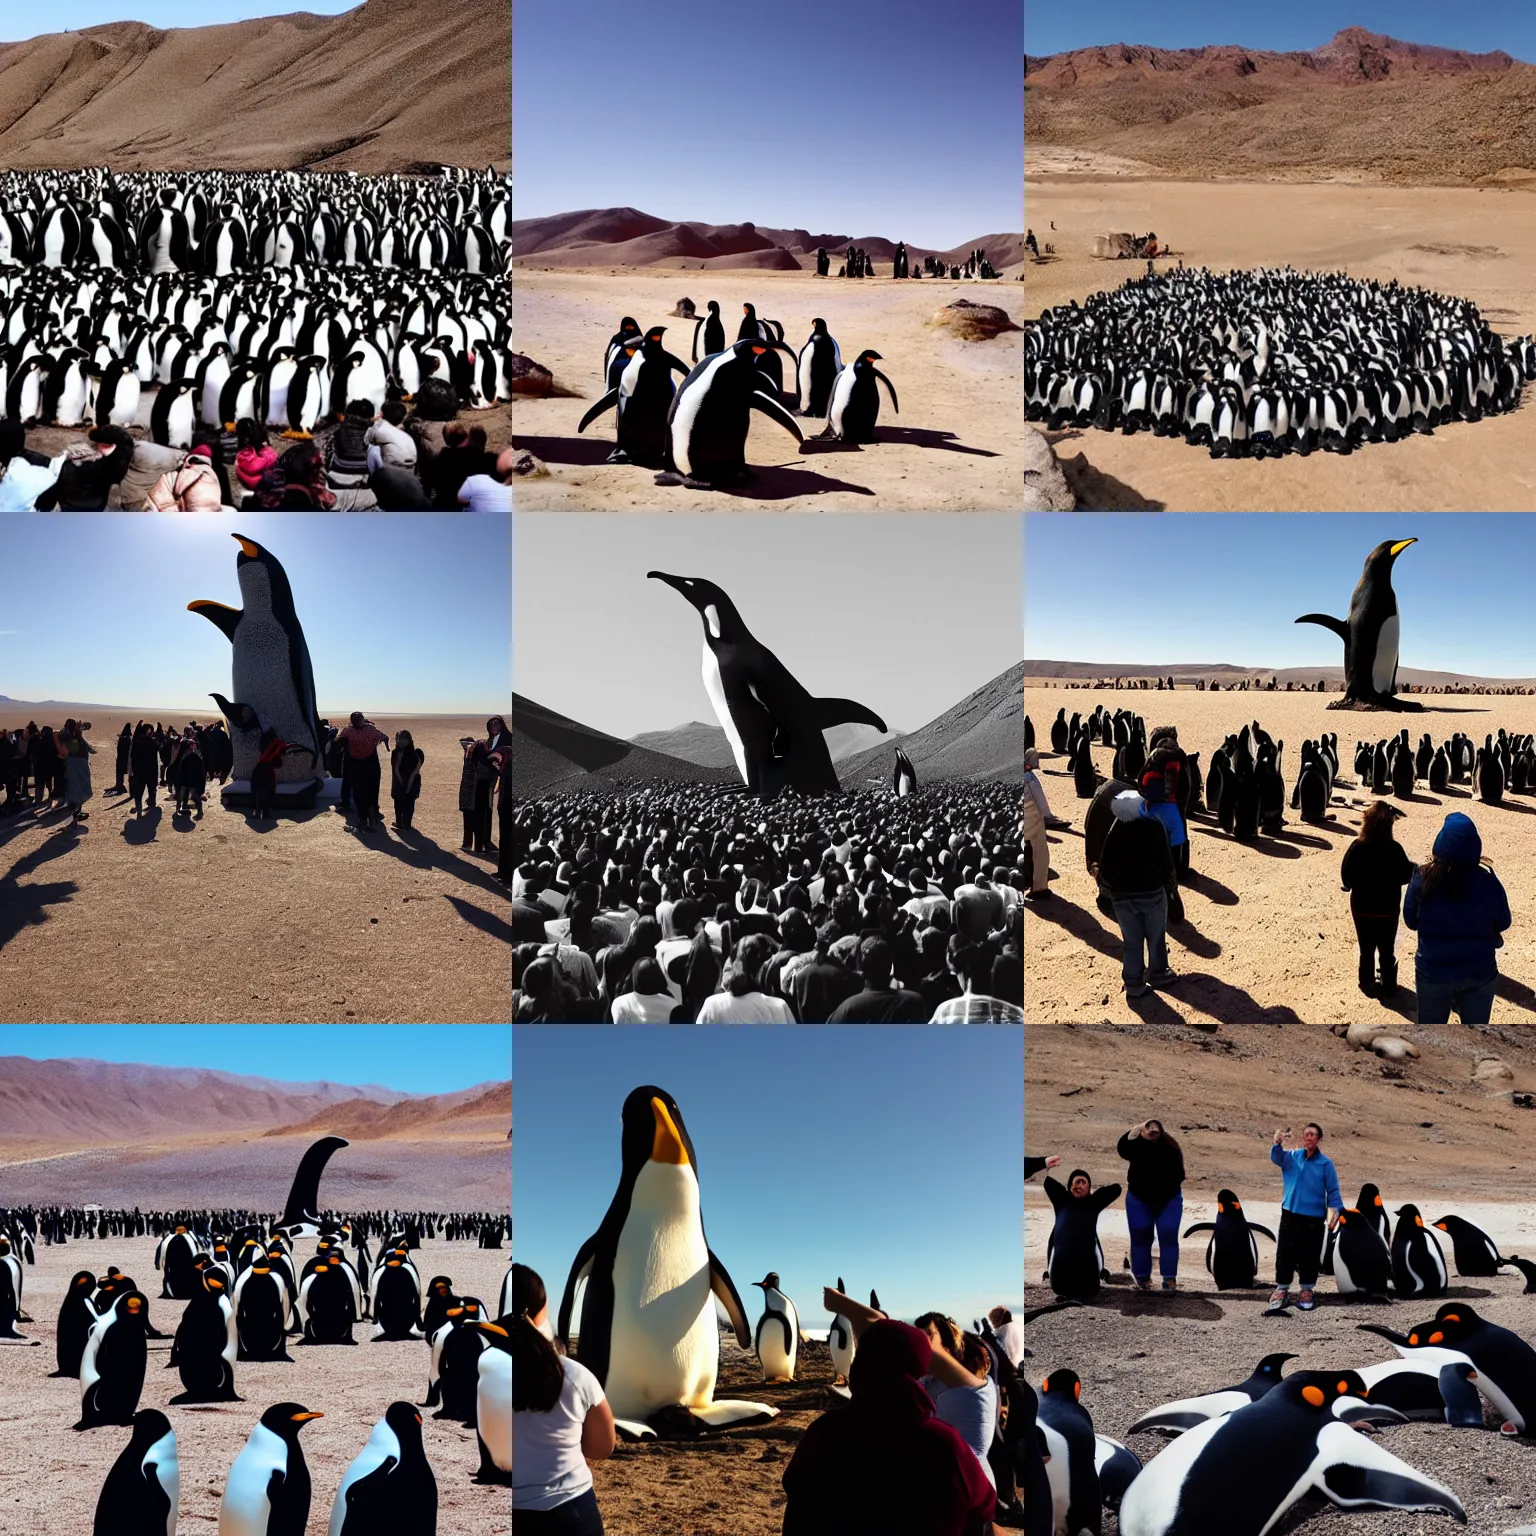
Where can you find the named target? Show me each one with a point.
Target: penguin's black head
(869, 356)
(714, 607)
(498, 1335)
(1369, 1195)
(1227, 1201)
(132, 1307)
(628, 326)
(1453, 1322)
(263, 581)
(285, 1420)
(1064, 1383)
(750, 311)
(654, 335)
(1381, 559)
(1410, 1213)
(1272, 1365)
(440, 1285)
(149, 1426)
(714, 306)
(770, 1281)
(819, 327)
(405, 1421)
(654, 1131)
(1321, 1389)
(83, 1283)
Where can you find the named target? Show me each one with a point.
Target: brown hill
(1361, 105)
(393, 85)
(1222, 671)
(469, 1112)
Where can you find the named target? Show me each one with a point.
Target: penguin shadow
(138, 830)
(26, 906)
(928, 437)
(781, 482)
(1096, 491)
(478, 917)
(1506, 804)
(1270, 845)
(1301, 839)
(567, 450)
(1213, 890)
(1517, 993)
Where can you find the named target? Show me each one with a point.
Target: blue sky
(902, 120)
(411, 1058)
(887, 1155)
(402, 613)
(1479, 26)
(1226, 588)
(18, 21)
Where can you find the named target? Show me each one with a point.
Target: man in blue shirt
(1309, 1207)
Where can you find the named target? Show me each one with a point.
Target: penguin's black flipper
(830, 712)
(1463, 1406)
(1376, 1479)
(724, 1288)
(1253, 1226)
(1200, 1226)
(581, 1267)
(1526, 1268)
(607, 403)
(304, 1194)
(699, 326)
(775, 412)
(890, 389)
(221, 615)
(676, 362)
(1338, 626)
(1385, 1333)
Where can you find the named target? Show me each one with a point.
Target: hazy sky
(1476, 25)
(411, 1058)
(906, 613)
(402, 612)
(18, 21)
(1189, 588)
(902, 120)
(818, 1155)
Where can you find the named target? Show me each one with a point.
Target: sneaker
(1137, 989)
(1308, 1300)
(1162, 978)
(1038, 895)
(1144, 1285)
(1169, 1283)
(1279, 1297)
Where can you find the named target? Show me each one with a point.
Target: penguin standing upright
(648, 1329)
(396, 1302)
(708, 420)
(389, 1486)
(854, 403)
(10, 1306)
(261, 1314)
(642, 397)
(819, 364)
(904, 780)
(457, 1356)
(206, 1345)
(112, 1366)
(708, 334)
(1371, 635)
(629, 330)
(76, 1316)
(179, 1277)
(1072, 1467)
(772, 722)
(493, 1402)
(1418, 1265)
(173, 416)
(142, 1493)
(841, 1342)
(1232, 1255)
(328, 1304)
(778, 1331)
(268, 1491)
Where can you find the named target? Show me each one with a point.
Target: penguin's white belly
(664, 1347)
(776, 1359)
(493, 1406)
(245, 1510)
(715, 687)
(1385, 666)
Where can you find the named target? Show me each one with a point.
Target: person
(85, 484)
(1458, 908)
(458, 460)
(1077, 1205)
(348, 457)
(1374, 872)
(746, 1002)
(264, 775)
(1135, 868)
(1156, 804)
(1009, 1332)
(362, 738)
(77, 768)
(389, 446)
(649, 1000)
(143, 767)
(191, 777)
(879, 1002)
(193, 487)
(991, 985)
(1031, 244)
(476, 780)
(887, 1462)
(255, 456)
(296, 482)
(405, 778)
(959, 1380)
(1154, 1201)
(1037, 812)
(124, 747)
(490, 493)
(561, 1422)
(1311, 1197)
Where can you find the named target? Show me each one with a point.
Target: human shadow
(266, 824)
(478, 917)
(417, 850)
(1193, 940)
(1213, 890)
(139, 830)
(1135, 1303)
(1271, 846)
(1079, 922)
(566, 450)
(182, 821)
(1224, 1002)
(1516, 992)
(26, 906)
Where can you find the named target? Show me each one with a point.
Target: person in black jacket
(1135, 867)
(85, 484)
(1154, 1200)
(1074, 1259)
(143, 767)
(1374, 872)
(124, 746)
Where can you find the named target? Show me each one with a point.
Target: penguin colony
(248, 1293)
(696, 431)
(1240, 1457)
(273, 295)
(1270, 361)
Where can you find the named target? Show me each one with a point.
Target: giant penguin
(1371, 635)
(493, 1402)
(904, 779)
(301, 1216)
(648, 1329)
(773, 724)
(271, 672)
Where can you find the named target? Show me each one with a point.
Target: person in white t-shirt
(1010, 1334)
(961, 1385)
(560, 1422)
(746, 1002)
(648, 1000)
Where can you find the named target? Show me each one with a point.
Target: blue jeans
(1472, 1000)
(576, 1517)
(1142, 1220)
(1143, 918)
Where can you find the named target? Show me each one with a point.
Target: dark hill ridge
(1221, 670)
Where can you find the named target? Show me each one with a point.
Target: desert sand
(954, 445)
(1269, 937)
(51, 1478)
(1476, 242)
(221, 920)
(1422, 1131)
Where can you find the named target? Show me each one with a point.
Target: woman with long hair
(560, 1422)
(1459, 910)
(1374, 872)
(745, 1001)
(1154, 1200)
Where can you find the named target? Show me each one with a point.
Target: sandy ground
(300, 920)
(1428, 1136)
(1478, 243)
(51, 1478)
(954, 445)
(1268, 937)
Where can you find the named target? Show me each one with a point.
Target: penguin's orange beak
(667, 1147)
(299, 1418)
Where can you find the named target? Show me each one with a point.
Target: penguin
(1059, 731)
(328, 1305)
(1232, 1255)
(855, 401)
(1476, 1253)
(389, 1485)
(505, 1306)
(841, 1342)
(115, 391)
(753, 329)
(1071, 1455)
(261, 1314)
(1373, 1208)
(1418, 1265)
(818, 366)
(1084, 779)
(1032, 1479)
(493, 1402)
(1439, 771)
(1402, 774)
(176, 1260)
(309, 391)
(173, 416)
(142, 1492)
(1488, 773)
(75, 1318)
(10, 1306)
(648, 1329)
(24, 390)
(642, 397)
(1424, 1382)
(1117, 1465)
(708, 333)
(709, 417)
(273, 677)
(1526, 1268)
(206, 1345)
(773, 724)
(112, 1365)
(1371, 635)
(301, 1209)
(628, 329)
(456, 1354)
(66, 394)
(1362, 1262)
(778, 1331)
(396, 1302)
(268, 1490)
(1176, 1417)
(904, 779)
(1241, 1473)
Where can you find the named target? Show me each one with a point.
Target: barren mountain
(1187, 671)
(393, 85)
(1362, 105)
(472, 1112)
(706, 745)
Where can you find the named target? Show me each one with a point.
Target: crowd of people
(679, 903)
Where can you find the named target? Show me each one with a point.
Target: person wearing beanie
(1036, 813)
(1460, 911)
(1135, 868)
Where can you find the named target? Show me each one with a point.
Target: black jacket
(1374, 874)
(1136, 859)
(1156, 1169)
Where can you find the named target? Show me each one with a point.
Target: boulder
(1045, 487)
(975, 322)
(529, 377)
(1492, 1073)
(684, 310)
(526, 464)
(1362, 1036)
